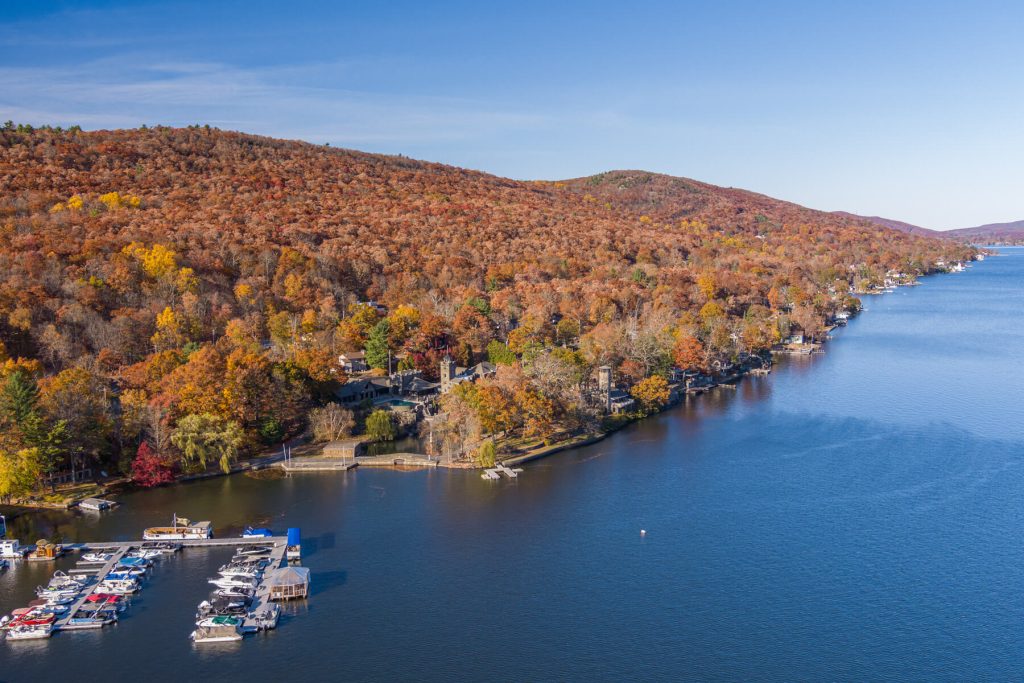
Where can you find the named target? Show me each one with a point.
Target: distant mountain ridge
(992, 233)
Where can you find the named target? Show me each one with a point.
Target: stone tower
(604, 386)
(447, 373)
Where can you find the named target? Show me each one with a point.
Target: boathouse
(289, 583)
(345, 448)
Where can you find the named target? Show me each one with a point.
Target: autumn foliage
(163, 277)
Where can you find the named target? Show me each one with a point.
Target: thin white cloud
(284, 101)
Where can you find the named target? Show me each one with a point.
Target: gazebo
(288, 583)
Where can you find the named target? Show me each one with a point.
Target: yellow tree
(168, 331)
(652, 393)
(538, 412)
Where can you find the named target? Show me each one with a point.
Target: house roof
(420, 384)
(478, 370)
(358, 386)
(353, 355)
(289, 576)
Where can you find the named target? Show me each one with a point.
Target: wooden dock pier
(184, 543)
(95, 575)
(262, 597)
(500, 469)
(92, 573)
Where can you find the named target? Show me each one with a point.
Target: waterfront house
(353, 361)
(619, 401)
(452, 374)
(355, 391)
(411, 383)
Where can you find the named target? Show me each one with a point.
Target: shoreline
(270, 459)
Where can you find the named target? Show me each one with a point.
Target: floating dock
(498, 470)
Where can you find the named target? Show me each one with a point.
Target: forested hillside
(190, 289)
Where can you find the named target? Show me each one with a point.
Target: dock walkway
(262, 597)
(94, 576)
(185, 543)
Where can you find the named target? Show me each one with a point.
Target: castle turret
(604, 386)
(447, 373)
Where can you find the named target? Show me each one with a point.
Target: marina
(93, 593)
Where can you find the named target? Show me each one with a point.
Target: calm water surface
(854, 516)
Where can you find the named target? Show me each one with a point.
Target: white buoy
(643, 532)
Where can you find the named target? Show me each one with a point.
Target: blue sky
(910, 110)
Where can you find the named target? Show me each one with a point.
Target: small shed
(345, 448)
(288, 583)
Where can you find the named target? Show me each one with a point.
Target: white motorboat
(242, 570)
(234, 593)
(267, 617)
(127, 572)
(97, 558)
(61, 580)
(56, 608)
(234, 582)
(30, 632)
(61, 600)
(57, 594)
(148, 555)
(117, 586)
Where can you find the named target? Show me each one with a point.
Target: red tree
(149, 469)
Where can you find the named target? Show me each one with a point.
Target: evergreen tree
(19, 400)
(377, 345)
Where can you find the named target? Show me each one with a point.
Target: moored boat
(216, 634)
(29, 632)
(220, 620)
(267, 617)
(257, 533)
(117, 586)
(180, 529)
(97, 557)
(85, 619)
(234, 582)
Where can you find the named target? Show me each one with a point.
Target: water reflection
(852, 516)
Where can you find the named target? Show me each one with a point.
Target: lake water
(856, 515)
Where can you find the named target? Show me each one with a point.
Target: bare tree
(332, 422)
